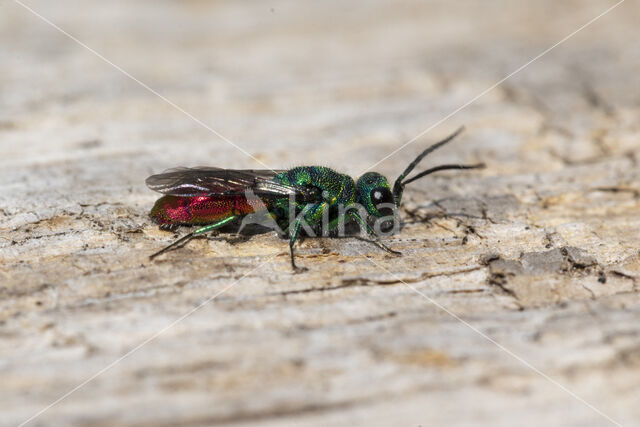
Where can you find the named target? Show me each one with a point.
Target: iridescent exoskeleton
(315, 199)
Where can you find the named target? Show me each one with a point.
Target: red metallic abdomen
(198, 210)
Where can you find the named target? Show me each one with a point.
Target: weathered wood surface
(540, 251)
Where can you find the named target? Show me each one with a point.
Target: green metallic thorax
(333, 189)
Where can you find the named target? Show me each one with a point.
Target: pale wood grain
(539, 251)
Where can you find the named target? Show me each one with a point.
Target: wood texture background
(539, 252)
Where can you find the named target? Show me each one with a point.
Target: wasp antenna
(442, 168)
(428, 151)
(398, 186)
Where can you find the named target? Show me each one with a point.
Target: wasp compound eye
(381, 195)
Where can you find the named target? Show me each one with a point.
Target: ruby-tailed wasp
(313, 199)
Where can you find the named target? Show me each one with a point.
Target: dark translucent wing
(201, 181)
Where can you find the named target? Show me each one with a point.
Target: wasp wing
(205, 181)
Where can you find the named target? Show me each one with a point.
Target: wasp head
(381, 203)
(374, 194)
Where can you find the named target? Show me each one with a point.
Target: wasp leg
(183, 240)
(294, 235)
(292, 241)
(370, 232)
